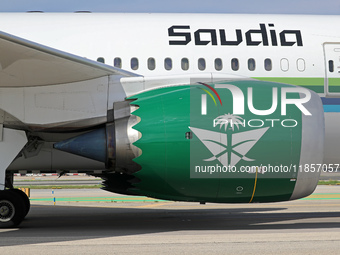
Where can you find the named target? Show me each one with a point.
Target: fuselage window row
(218, 64)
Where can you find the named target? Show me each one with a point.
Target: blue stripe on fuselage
(331, 104)
(330, 101)
(331, 108)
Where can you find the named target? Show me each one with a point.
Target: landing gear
(13, 207)
(24, 197)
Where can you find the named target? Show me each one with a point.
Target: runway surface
(22, 181)
(98, 222)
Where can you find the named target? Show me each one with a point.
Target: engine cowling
(239, 141)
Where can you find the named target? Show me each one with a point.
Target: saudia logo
(230, 145)
(265, 35)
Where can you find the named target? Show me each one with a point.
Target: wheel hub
(7, 211)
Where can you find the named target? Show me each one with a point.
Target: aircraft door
(332, 62)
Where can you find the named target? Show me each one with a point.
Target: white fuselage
(292, 49)
(145, 36)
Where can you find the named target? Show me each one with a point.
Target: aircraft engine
(230, 142)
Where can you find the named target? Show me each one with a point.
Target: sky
(198, 6)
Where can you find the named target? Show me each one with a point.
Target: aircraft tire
(25, 198)
(12, 209)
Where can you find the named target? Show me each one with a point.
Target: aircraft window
(234, 64)
(185, 64)
(134, 63)
(101, 60)
(268, 64)
(151, 64)
(300, 63)
(284, 65)
(331, 66)
(218, 64)
(251, 64)
(117, 62)
(168, 64)
(201, 64)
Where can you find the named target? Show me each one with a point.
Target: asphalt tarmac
(22, 181)
(97, 222)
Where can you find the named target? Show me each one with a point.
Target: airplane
(221, 108)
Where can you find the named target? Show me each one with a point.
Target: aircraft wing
(25, 63)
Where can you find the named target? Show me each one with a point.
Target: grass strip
(329, 182)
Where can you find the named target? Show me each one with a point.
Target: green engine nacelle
(238, 141)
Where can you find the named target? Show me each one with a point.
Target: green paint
(168, 158)
(211, 96)
(334, 85)
(316, 89)
(314, 84)
(333, 81)
(297, 81)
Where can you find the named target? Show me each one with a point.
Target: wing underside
(24, 63)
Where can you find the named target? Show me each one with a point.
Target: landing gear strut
(14, 206)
